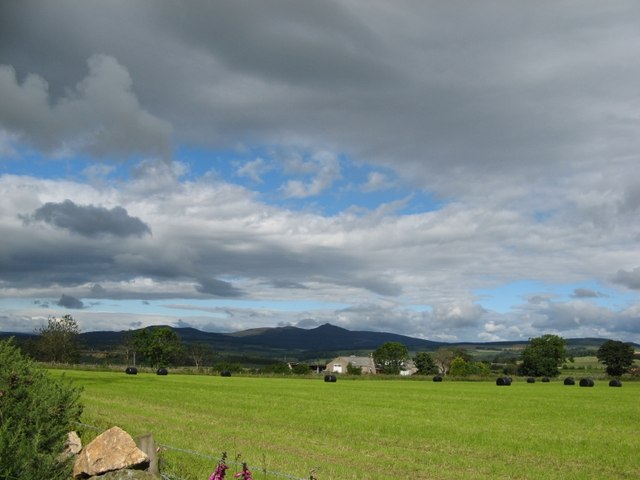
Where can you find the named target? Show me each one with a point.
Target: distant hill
(327, 337)
(322, 341)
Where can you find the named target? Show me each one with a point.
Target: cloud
(325, 168)
(67, 301)
(253, 170)
(376, 181)
(217, 288)
(89, 220)
(525, 129)
(101, 116)
(629, 279)
(586, 293)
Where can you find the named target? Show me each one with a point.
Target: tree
(353, 369)
(160, 346)
(458, 367)
(128, 347)
(424, 363)
(543, 356)
(301, 369)
(617, 356)
(199, 352)
(443, 358)
(463, 368)
(59, 340)
(391, 356)
(36, 412)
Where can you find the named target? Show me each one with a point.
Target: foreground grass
(376, 429)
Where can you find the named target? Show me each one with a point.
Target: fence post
(145, 443)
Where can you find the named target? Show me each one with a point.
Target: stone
(126, 475)
(109, 451)
(72, 446)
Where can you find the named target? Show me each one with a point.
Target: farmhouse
(339, 364)
(408, 368)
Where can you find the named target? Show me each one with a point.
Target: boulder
(109, 451)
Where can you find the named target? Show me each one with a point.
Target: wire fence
(213, 460)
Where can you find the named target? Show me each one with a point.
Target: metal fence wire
(214, 460)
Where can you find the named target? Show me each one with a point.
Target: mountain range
(323, 341)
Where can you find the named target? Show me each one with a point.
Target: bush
(353, 369)
(36, 413)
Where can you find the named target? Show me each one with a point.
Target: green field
(385, 429)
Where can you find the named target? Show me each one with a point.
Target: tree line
(542, 357)
(58, 342)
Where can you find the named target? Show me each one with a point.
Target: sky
(454, 171)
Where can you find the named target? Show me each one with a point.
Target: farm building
(339, 364)
(408, 368)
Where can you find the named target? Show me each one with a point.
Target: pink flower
(220, 472)
(245, 474)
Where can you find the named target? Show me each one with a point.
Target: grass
(387, 429)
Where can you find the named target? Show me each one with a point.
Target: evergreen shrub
(36, 413)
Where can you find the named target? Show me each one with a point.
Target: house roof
(366, 362)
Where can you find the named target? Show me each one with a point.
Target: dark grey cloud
(586, 293)
(89, 220)
(98, 291)
(101, 116)
(277, 283)
(628, 278)
(67, 301)
(217, 288)
(432, 89)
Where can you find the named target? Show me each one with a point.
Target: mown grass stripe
(379, 429)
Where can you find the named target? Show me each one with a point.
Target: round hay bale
(587, 382)
(545, 379)
(615, 383)
(437, 378)
(225, 373)
(162, 371)
(330, 378)
(503, 381)
(569, 381)
(131, 371)
(531, 380)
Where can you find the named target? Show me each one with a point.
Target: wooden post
(145, 443)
